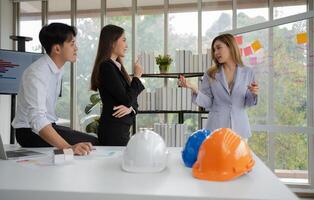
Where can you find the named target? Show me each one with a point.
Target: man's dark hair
(55, 33)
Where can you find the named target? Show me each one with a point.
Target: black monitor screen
(12, 66)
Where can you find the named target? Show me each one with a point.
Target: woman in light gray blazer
(227, 88)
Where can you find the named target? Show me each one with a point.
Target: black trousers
(27, 138)
(113, 134)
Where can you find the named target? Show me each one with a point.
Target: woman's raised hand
(182, 82)
(138, 70)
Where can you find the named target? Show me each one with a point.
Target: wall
(6, 29)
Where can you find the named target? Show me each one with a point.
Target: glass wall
(290, 75)
(60, 11)
(278, 54)
(288, 7)
(149, 21)
(216, 18)
(30, 24)
(290, 98)
(183, 26)
(88, 26)
(248, 10)
(120, 13)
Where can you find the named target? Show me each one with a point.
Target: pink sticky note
(247, 51)
(253, 60)
(241, 51)
(239, 39)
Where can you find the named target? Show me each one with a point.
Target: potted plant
(164, 63)
(92, 121)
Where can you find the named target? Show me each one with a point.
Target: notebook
(16, 153)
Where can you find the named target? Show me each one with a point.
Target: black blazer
(114, 91)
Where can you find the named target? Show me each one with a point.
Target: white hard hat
(146, 152)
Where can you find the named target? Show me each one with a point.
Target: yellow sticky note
(302, 38)
(256, 45)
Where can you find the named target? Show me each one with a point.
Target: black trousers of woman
(113, 134)
(27, 138)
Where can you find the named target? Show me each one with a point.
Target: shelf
(171, 111)
(173, 75)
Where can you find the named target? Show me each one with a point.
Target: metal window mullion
(134, 13)
(272, 23)
(270, 112)
(310, 95)
(44, 13)
(200, 46)
(283, 128)
(166, 22)
(199, 27)
(166, 39)
(16, 21)
(234, 14)
(73, 91)
(44, 16)
(103, 8)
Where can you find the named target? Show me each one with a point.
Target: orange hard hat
(223, 156)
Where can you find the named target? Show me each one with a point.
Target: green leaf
(92, 127)
(89, 107)
(95, 98)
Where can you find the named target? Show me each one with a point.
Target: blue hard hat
(192, 145)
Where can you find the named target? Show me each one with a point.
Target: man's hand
(83, 148)
(50, 135)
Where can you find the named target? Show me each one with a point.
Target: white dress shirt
(117, 64)
(37, 97)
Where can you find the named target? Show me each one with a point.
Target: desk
(94, 177)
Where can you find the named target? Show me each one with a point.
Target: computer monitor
(12, 66)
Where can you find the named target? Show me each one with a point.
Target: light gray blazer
(227, 110)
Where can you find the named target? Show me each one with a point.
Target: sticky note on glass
(256, 45)
(241, 51)
(253, 60)
(302, 38)
(239, 39)
(247, 51)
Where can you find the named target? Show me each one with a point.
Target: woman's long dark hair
(108, 36)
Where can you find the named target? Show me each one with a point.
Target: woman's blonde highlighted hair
(231, 43)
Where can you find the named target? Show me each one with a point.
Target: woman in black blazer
(118, 91)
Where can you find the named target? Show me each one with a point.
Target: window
(216, 18)
(120, 13)
(149, 21)
(282, 77)
(281, 62)
(290, 75)
(59, 11)
(288, 7)
(259, 60)
(30, 24)
(290, 100)
(256, 10)
(88, 26)
(182, 14)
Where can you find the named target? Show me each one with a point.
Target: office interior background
(282, 122)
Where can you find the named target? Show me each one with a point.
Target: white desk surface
(95, 177)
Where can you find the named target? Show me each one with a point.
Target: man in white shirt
(39, 89)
